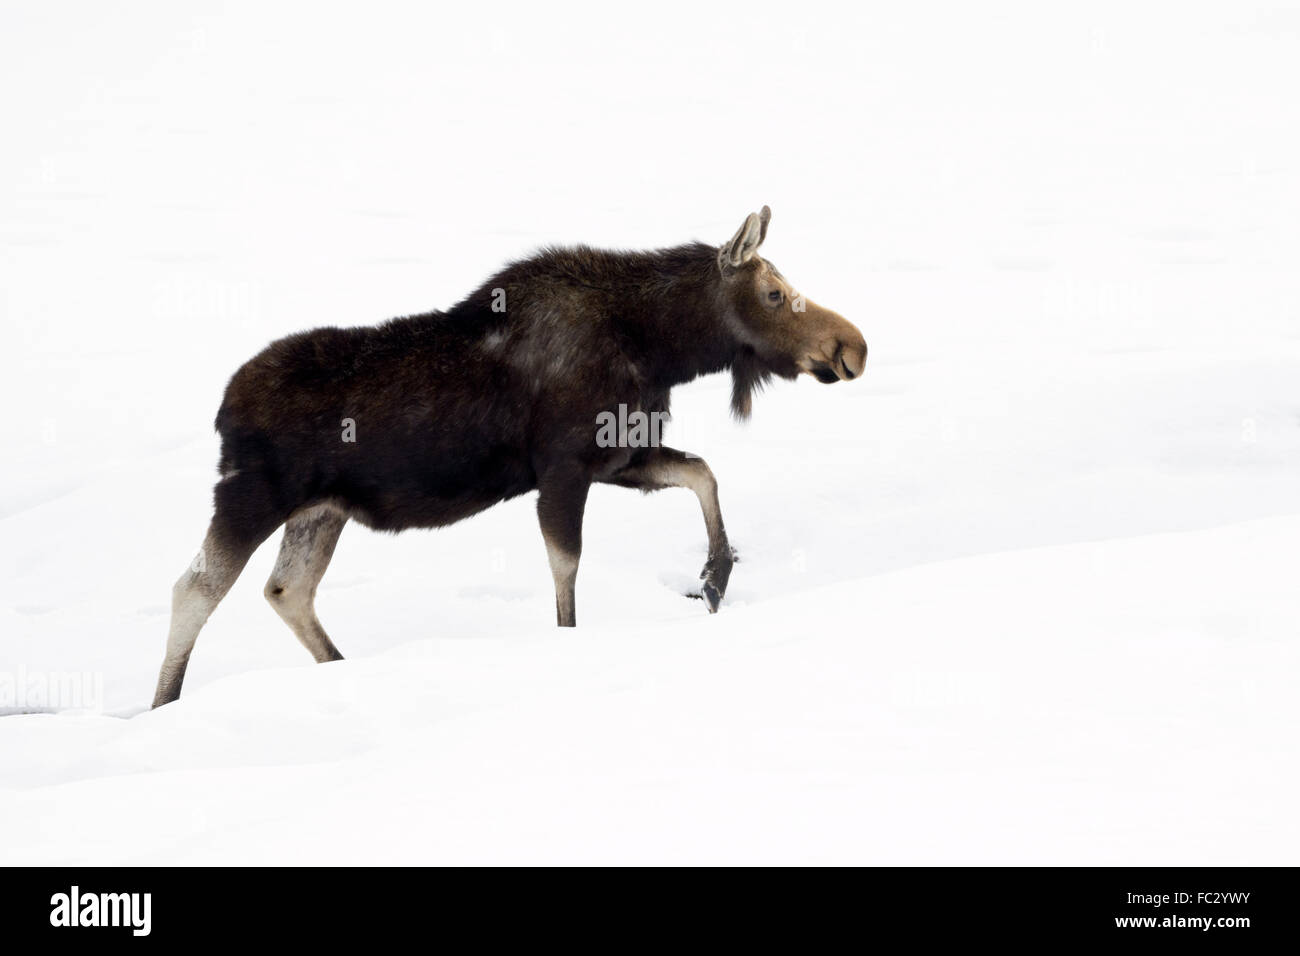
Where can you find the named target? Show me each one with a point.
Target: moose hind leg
(246, 509)
(195, 596)
(305, 553)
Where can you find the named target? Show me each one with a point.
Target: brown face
(787, 332)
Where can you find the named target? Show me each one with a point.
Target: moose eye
(775, 296)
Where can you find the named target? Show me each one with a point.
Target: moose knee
(193, 588)
(182, 589)
(276, 592)
(700, 480)
(288, 594)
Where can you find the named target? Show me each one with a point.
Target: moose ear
(743, 246)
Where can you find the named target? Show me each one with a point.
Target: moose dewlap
(425, 420)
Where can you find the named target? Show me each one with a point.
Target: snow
(1023, 594)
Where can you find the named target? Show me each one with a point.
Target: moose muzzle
(840, 353)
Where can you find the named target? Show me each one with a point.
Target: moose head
(780, 331)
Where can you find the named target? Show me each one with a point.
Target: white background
(1026, 593)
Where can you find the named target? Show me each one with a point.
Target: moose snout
(853, 359)
(841, 360)
(837, 352)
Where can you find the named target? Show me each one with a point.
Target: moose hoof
(716, 573)
(712, 597)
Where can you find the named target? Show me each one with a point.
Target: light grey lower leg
(695, 474)
(309, 540)
(665, 467)
(195, 596)
(564, 570)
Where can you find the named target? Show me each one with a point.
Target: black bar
(327, 906)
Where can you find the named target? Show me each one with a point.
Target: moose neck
(674, 328)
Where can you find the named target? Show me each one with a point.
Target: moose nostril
(852, 360)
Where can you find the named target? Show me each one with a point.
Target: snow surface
(1026, 593)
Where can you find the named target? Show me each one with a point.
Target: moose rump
(333, 425)
(368, 420)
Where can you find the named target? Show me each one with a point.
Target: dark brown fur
(454, 411)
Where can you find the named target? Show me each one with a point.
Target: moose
(427, 419)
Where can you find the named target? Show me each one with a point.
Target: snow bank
(1117, 702)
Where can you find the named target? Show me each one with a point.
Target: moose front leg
(561, 501)
(663, 467)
